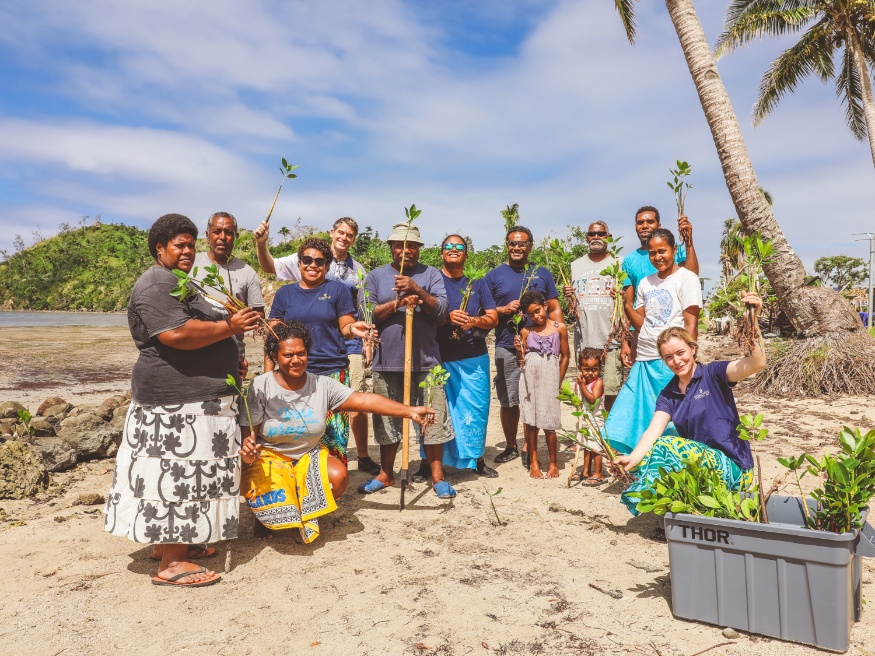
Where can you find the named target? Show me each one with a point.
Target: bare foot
(261, 532)
(553, 472)
(180, 567)
(535, 471)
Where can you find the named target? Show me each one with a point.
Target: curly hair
(532, 297)
(319, 244)
(648, 208)
(166, 228)
(293, 329)
(589, 353)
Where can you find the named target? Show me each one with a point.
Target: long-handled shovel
(405, 431)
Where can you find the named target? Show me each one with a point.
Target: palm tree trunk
(812, 310)
(866, 91)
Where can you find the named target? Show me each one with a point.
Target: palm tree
(833, 25)
(731, 252)
(814, 311)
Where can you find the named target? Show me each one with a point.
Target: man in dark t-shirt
(507, 282)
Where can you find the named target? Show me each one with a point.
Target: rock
(7, 426)
(731, 634)
(91, 499)
(42, 428)
(56, 454)
(22, 473)
(49, 403)
(90, 436)
(58, 411)
(111, 403)
(10, 409)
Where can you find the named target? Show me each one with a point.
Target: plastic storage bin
(776, 579)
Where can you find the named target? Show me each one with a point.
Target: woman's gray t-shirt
(162, 374)
(292, 421)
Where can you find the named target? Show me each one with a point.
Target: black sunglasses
(518, 244)
(597, 233)
(458, 247)
(306, 260)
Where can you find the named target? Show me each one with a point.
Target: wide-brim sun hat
(404, 231)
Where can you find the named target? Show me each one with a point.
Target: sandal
(175, 582)
(444, 490)
(371, 486)
(594, 481)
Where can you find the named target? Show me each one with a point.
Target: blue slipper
(444, 490)
(371, 486)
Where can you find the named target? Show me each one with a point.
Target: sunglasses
(597, 233)
(458, 247)
(306, 260)
(518, 244)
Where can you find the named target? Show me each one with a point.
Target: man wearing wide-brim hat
(393, 287)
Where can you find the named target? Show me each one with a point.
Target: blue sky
(133, 110)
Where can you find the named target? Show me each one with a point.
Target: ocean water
(27, 319)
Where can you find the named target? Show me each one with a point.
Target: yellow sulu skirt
(285, 493)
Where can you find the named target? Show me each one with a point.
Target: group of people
(191, 445)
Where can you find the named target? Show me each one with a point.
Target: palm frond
(812, 54)
(759, 19)
(850, 91)
(627, 16)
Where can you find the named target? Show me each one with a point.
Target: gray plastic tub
(777, 579)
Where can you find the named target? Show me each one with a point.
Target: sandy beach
(568, 571)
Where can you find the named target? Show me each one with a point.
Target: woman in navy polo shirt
(327, 309)
(699, 400)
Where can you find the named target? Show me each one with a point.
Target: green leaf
(708, 501)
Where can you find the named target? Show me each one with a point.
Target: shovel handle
(408, 367)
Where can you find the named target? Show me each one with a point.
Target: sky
(133, 110)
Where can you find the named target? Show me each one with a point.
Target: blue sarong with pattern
(468, 394)
(633, 410)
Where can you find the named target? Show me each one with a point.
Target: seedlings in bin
(286, 171)
(750, 430)
(680, 187)
(619, 323)
(589, 433)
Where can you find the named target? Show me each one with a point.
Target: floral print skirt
(177, 474)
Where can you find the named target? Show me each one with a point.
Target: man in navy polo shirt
(507, 283)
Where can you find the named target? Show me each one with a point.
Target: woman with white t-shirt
(670, 297)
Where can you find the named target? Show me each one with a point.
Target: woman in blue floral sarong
(699, 400)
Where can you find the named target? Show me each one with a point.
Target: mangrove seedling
(680, 187)
(366, 309)
(492, 503)
(559, 259)
(412, 214)
(242, 393)
(589, 434)
(187, 286)
(436, 377)
(24, 428)
(750, 430)
(472, 275)
(795, 465)
(757, 252)
(520, 315)
(619, 323)
(286, 171)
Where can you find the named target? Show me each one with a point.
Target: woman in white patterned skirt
(177, 475)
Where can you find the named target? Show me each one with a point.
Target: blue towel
(632, 411)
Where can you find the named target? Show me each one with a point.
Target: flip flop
(577, 477)
(592, 481)
(195, 552)
(173, 581)
(444, 490)
(371, 486)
